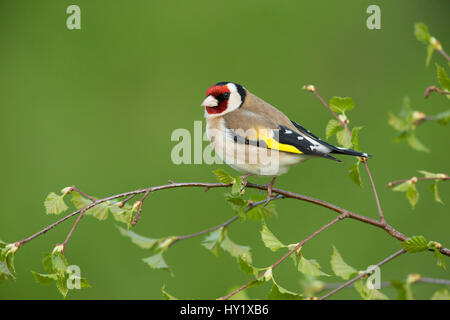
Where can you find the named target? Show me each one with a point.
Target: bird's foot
(269, 191)
(244, 181)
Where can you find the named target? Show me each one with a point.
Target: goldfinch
(255, 138)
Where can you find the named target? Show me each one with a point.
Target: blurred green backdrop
(96, 107)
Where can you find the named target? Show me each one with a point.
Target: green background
(96, 108)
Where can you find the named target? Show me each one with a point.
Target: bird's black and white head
(222, 98)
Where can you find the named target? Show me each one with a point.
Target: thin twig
(295, 249)
(344, 124)
(72, 230)
(396, 182)
(313, 89)
(288, 194)
(435, 89)
(368, 271)
(138, 214)
(441, 51)
(384, 284)
(224, 224)
(380, 211)
(82, 193)
(73, 188)
(123, 202)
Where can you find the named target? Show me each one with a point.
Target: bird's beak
(210, 101)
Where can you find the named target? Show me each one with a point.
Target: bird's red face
(217, 98)
(223, 97)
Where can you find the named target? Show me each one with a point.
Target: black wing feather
(292, 138)
(334, 149)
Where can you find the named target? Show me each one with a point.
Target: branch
(444, 177)
(140, 203)
(441, 51)
(436, 89)
(226, 223)
(445, 282)
(73, 188)
(368, 271)
(287, 194)
(297, 247)
(380, 211)
(313, 89)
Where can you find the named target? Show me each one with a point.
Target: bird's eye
(226, 95)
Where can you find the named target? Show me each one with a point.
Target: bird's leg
(244, 180)
(269, 191)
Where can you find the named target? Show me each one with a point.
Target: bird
(255, 138)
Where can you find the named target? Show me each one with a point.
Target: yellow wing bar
(274, 144)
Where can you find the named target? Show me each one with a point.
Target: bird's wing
(250, 128)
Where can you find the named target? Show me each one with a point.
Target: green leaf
(156, 262)
(415, 244)
(402, 187)
(439, 259)
(310, 267)
(141, 241)
(403, 290)
(428, 174)
(311, 286)
(412, 195)
(79, 201)
(7, 261)
(124, 214)
(234, 249)
(47, 262)
(340, 268)
(416, 144)
(437, 254)
(84, 283)
(344, 139)
(59, 262)
(340, 104)
(247, 267)
(355, 138)
(5, 272)
(430, 50)
(55, 204)
(421, 32)
(238, 204)
(167, 295)
(165, 243)
(238, 183)
(444, 117)
(256, 282)
(397, 123)
(354, 173)
(261, 212)
(61, 284)
(442, 294)
(443, 79)
(332, 128)
(212, 241)
(405, 111)
(45, 278)
(269, 239)
(223, 176)
(279, 293)
(435, 191)
(368, 294)
(100, 211)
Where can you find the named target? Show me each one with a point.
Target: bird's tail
(350, 152)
